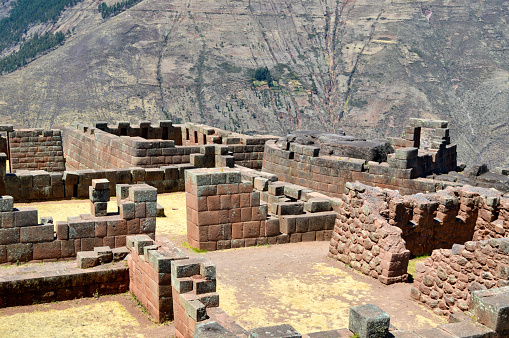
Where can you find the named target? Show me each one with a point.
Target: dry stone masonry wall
(23, 238)
(36, 149)
(365, 240)
(444, 282)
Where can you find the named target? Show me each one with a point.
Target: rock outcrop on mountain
(365, 66)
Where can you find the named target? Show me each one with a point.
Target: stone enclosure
(378, 203)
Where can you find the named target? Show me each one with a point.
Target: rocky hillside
(362, 65)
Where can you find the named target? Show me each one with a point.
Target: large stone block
(36, 234)
(368, 321)
(25, 216)
(491, 307)
(6, 203)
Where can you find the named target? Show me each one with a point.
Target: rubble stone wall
(36, 149)
(364, 239)
(445, 280)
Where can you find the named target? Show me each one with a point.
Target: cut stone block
(104, 253)
(101, 184)
(317, 205)
(119, 254)
(87, 259)
(6, 203)
(491, 307)
(368, 321)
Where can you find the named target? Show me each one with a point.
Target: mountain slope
(364, 66)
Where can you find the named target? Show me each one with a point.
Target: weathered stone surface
(368, 321)
(280, 331)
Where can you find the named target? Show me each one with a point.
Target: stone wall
(364, 239)
(224, 211)
(23, 238)
(302, 165)
(86, 147)
(103, 147)
(36, 149)
(150, 277)
(194, 294)
(247, 150)
(453, 215)
(28, 285)
(445, 280)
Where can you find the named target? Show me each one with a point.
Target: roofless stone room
(212, 233)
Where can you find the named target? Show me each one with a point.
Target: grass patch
(413, 262)
(192, 248)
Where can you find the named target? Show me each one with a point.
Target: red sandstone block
(88, 244)
(67, 248)
(223, 216)
(101, 229)
(209, 246)
(47, 250)
(249, 242)
(133, 226)
(246, 214)
(120, 241)
(9, 236)
(226, 202)
(36, 234)
(25, 217)
(208, 218)
(227, 189)
(109, 241)
(259, 213)
(238, 230)
(140, 210)
(7, 219)
(255, 199)
(251, 229)
(245, 200)
(235, 200)
(116, 227)
(245, 187)
(234, 215)
(213, 203)
(295, 238)
(309, 236)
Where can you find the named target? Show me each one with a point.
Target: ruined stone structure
(377, 202)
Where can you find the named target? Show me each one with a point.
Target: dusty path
(299, 285)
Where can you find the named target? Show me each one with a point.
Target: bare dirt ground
(258, 286)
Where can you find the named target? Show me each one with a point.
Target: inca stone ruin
(378, 203)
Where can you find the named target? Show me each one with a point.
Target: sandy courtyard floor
(266, 285)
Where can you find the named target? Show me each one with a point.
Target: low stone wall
(40, 185)
(27, 285)
(36, 149)
(364, 239)
(445, 280)
(22, 238)
(150, 274)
